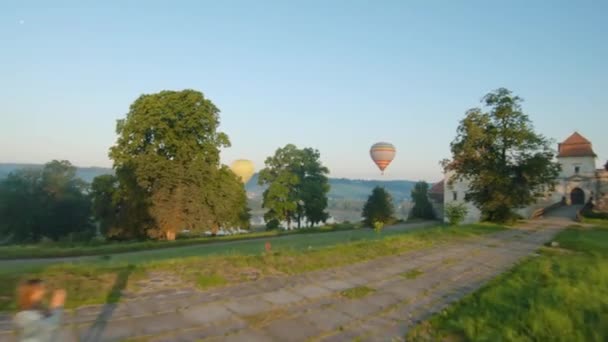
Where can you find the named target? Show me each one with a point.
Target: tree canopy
(507, 164)
(48, 202)
(167, 165)
(378, 208)
(297, 186)
(422, 205)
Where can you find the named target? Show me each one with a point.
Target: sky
(333, 75)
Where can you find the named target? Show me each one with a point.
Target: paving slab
(8, 336)
(206, 314)
(336, 284)
(357, 308)
(312, 291)
(210, 332)
(281, 297)
(246, 335)
(382, 299)
(107, 331)
(157, 324)
(327, 319)
(248, 306)
(291, 330)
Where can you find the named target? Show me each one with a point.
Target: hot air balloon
(382, 154)
(243, 168)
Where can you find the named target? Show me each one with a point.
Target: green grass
(357, 292)
(595, 221)
(71, 249)
(92, 280)
(561, 295)
(412, 274)
(208, 281)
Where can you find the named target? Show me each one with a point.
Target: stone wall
(585, 165)
(438, 210)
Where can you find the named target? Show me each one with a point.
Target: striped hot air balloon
(382, 154)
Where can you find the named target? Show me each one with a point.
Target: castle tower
(577, 177)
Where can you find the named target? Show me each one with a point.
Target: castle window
(455, 195)
(577, 169)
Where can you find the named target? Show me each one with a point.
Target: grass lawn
(561, 295)
(357, 292)
(99, 280)
(69, 249)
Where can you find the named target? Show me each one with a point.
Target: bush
(422, 209)
(592, 214)
(378, 226)
(455, 213)
(379, 207)
(272, 224)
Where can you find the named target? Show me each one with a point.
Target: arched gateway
(577, 196)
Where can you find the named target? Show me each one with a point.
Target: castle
(579, 181)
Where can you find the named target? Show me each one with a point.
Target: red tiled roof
(437, 188)
(575, 146)
(576, 138)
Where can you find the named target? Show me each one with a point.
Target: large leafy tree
(48, 202)
(313, 188)
(228, 202)
(379, 207)
(507, 164)
(167, 160)
(297, 186)
(422, 206)
(104, 190)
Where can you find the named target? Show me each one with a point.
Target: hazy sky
(334, 75)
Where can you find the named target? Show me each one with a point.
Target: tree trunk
(170, 235)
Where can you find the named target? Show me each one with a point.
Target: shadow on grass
(95, 332)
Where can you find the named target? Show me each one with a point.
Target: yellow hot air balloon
(243, 168)
(382, 154)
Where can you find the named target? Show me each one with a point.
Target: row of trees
(379, 207)
(167, 178)
(46, 202)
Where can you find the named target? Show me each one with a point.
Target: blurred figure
(36, 323)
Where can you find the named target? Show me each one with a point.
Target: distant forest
(341, 188)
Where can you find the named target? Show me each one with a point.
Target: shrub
(422, 209)
(455, 213)
(272, 224)
(592, 214)
(378, 226)
(379, 207)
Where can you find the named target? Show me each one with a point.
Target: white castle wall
(594, 184)
(454, 193)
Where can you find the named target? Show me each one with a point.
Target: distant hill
(352, 189)
(85, 173)
(341, 188)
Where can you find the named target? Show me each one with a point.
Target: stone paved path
(310, 306)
